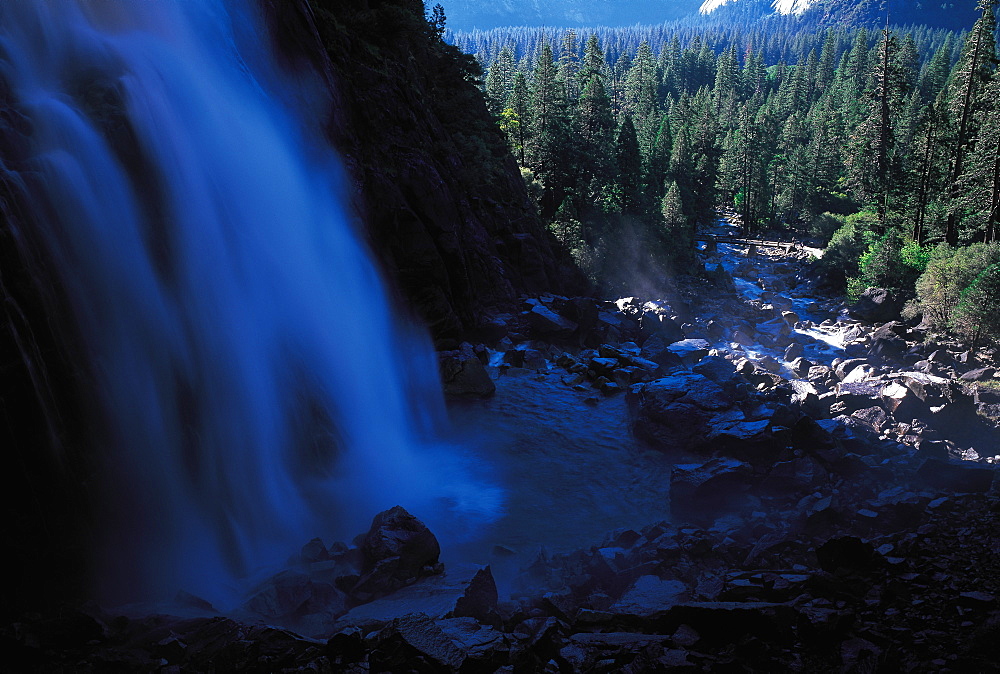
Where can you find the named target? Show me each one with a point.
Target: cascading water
(255, 390)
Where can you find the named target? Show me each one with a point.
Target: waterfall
(254, 385)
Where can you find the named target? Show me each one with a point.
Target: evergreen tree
(500, 80)
(677, 231)
(629, 164)
(969, 79)
(516, 121)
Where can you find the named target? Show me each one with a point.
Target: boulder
(465, 376)
(690, 351)
(769, 364)
(701, 489)
(793, 352)
(659, 324)
(876, 305)
(844, 367)
(979, 374)
(856, 395)
(650, 595)
(480, 599)
(902, 403)
(716, 368)
(397, 550)
(891, 349)
(417, 643)
(800, 366)
(675, 412)
(546, 323)
(847, 554)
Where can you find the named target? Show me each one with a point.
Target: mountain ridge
(470, 14)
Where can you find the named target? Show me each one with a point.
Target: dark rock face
(433, 180)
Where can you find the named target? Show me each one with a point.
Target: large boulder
(659, 324)
(397, 550)
(701, 489)
(690, 351)
(546, 323)
(464, 376)
(676, 412)
(877, 305)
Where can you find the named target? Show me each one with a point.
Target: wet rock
(957, 476)
(480, 599)
(794, 352)
(465, 376)
(397, 550)
(416, 642)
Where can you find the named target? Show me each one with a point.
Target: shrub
(977, 313)
(949, 272)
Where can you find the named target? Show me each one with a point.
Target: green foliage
(889, 262)
(977, 314)
(847, 245)
(914, 256)
(950, 271)
(880, 142)
(824, 225)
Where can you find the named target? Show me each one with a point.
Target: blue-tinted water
(255, 388)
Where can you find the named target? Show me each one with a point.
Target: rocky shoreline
(841, 516)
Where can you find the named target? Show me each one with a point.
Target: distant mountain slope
(468, 14)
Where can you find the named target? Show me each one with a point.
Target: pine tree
(569, 65)
(677, 231)
(499, 80)
(516, 120)
(969, 79)
(629, 164)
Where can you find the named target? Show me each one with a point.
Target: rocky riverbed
(784, 483)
